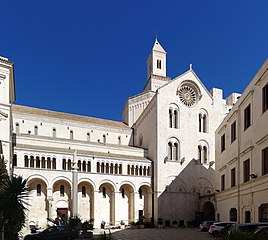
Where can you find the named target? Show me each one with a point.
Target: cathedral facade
(157, 163)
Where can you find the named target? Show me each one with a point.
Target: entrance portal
(209, 211)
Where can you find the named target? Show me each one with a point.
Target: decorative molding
(2, 77)
(3, 115)
(232, 161)
(246, 151)
(222, 168)
(263, 139)
(262, 77)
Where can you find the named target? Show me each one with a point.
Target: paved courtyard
(161, 234)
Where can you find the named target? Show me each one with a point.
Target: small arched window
(104, 138)
(88, 137)
(200, 122)
(38, 190)
(205, 123)
(17, 128)
(53, 163)
(205, 149)
(170, 118)
(102, 167)
(26, 161)
(63, 164)
(158, 64)
(35, 130)
(104, 192)
(83, 191)
(37, 162)
(48, 163)
(116, 168)
(71, 135)
(170, 151)
(88, 166)
(120, 168)
(69, 164)
(43, 162)
(61, 190)
(175, 151)
(98, 167)
(84, 166)
(79, 165)
(111, 168)
(176, 119)
(128, 170)
(107, 168)
(31, 161)
(54, 133)
(199, 153)
(119, 140)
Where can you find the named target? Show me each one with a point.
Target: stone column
(49, 199)
(74, 211)
(116, 207)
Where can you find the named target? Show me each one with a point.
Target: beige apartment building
(242, 156)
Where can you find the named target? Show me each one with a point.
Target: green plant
(131, 223)
(86, 225)
(122, 222)
(13, 195)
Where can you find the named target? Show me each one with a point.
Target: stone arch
(106, 201)
(85, 199)
(126, 202)
(61, 197)
(38, 203)
(209, 211)
(144, 203)
(203, 151)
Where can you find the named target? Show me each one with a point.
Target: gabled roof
(157, 47)
(67, 116)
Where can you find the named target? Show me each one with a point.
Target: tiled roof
(68, 116)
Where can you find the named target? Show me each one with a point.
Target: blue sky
(88, 57)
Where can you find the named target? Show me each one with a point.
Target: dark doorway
(140, 215)
(62, 212)
(209, 211)
(247, 217)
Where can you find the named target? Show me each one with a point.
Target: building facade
(157, 163)
(242, 155)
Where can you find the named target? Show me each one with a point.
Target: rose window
(187, 95)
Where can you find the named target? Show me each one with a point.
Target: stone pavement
(161, 234)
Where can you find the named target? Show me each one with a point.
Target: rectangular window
(247, 114)
(265, 161)
(265, 98)
(222, 142)
(246, 168)
(232, 177)
(233, 131)
(223, 182)
(158, 64)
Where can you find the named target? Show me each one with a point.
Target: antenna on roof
(156, 34)
(191, 66)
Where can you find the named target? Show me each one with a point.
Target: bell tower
(156, 68)
(7, 97)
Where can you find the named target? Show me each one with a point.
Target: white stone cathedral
(157, 163)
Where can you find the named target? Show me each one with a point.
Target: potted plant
(133, 225)
(122, 223)
(160, 222)
(175, 224)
